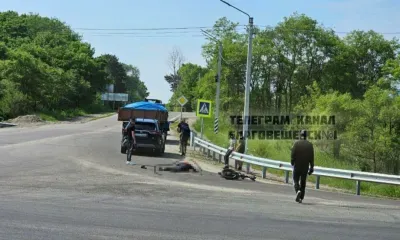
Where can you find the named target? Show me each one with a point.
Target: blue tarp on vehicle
(145, 106)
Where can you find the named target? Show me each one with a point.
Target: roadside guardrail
(3, 124)
(358, 176)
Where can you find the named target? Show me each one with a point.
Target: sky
(149, 50)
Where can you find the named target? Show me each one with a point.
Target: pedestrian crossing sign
(203, 108)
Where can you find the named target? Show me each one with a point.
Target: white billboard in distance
(117, 97)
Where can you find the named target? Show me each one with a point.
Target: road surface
(69, 181)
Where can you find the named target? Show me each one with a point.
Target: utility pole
(248, 80)
(247, 89)
(217, 80)
(202, 120)
(216, 124)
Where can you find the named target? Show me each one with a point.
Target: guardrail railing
(358, 176)
(3, 124)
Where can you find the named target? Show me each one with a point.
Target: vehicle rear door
(146, 132)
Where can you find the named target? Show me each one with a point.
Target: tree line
(45, 66)
(300, 67)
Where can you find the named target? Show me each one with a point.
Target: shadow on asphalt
(311, 204)
(172, 155)
(167, 155)
(172, 142)
(351, 206)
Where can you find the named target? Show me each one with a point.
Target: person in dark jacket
(184, 130)
(130, 128)
(302, 160)
(180, 134)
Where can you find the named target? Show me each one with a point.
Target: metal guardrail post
(358, 187)
(208, 153)
(219, 158)
(286, 176)
(264, 172)
(192, 138)
(247, 168)
(213, 156)
(317, 182)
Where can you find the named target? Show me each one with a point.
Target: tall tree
(175, 61)
(136, 89)
(44, 65)
(116, 72)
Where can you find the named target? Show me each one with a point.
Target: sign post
(182, 101)
(203, 110)
(202, 127)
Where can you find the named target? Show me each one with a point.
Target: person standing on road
(240, 149)
(302, 160)
(130, 128)
(180, 134)
(232, 143)
(184, 129)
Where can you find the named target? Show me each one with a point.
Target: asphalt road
(69, 181)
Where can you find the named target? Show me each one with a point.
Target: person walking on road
(130, 128)
(232, 143)
(302, 160)
(184, 130)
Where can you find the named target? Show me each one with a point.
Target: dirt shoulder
(35, 120)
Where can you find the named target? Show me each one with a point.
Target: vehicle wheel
(159, 152)
(123, 150)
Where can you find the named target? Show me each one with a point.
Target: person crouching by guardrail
(302, 160)
(240, 149)
(232, 143)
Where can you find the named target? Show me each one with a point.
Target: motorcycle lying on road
(230, 174)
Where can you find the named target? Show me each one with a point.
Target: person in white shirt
(232, 143)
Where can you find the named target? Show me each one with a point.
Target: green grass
(103, 116)
(174, 125)
(62, 115)
(280, 150)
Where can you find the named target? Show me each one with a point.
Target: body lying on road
(179, 167)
